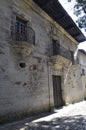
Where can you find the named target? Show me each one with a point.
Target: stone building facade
(34, 76)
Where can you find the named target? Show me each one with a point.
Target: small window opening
(34, 67)
(83, 72)
(22, 65)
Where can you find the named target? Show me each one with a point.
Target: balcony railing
(59, 50)
(29, 36)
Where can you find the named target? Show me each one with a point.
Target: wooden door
(57, 91)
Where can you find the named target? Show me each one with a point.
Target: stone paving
(72, 117)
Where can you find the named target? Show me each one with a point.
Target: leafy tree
(80, 12)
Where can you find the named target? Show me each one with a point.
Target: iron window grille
(59, 50)
(22, 32)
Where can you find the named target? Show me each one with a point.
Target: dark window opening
(21, 29)
(22, 65)
(56, 47)
(83, 72)
(34, 67)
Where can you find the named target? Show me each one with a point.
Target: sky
(69, 8)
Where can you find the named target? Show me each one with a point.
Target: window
(56, 47)
(21, 29)
(83, 72)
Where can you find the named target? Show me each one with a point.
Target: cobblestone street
(72, 117)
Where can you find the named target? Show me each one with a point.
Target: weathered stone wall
(22, 91)
(73, 85)
(29, 90)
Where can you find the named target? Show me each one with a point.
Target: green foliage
(80, 12)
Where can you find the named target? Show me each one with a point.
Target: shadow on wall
(64, 123)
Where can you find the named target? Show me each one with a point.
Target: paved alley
(72, 117)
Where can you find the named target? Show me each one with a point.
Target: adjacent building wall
(82, 60)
